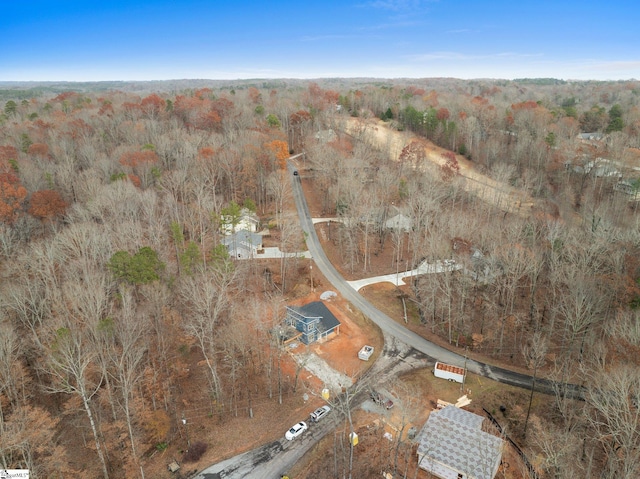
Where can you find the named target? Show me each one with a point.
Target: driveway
(403, 350)
(274, 252)
(398, 331)
(398, 278)
(276, 458)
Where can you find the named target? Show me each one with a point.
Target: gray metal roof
(453, 438)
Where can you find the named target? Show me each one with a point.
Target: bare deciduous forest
(121, 310)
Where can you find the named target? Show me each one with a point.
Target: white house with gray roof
(453, 445)
(243, 244)
(247, 221)
(399, 222)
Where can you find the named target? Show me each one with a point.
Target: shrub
(142, 268)
(195, 452)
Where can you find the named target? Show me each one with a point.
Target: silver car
(320, 413)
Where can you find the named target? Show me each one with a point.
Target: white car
(320, 413)
(296, 430)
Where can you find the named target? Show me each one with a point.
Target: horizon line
(327, 78)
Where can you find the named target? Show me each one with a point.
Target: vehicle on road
(296, 430)
(381, 400)
(295, 172)
(320, 413)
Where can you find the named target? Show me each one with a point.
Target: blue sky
(162, 39)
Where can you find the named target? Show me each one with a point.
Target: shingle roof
(453, 437)
(319, 309)
(242, 237)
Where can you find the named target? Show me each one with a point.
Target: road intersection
(274, 459)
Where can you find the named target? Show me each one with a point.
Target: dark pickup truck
(381, 400)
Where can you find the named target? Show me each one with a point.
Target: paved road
(272, 460)
(391, 327)
(403, 350)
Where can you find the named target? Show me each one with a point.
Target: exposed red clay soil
(271, 419)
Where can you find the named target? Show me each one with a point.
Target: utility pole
(464, 377)
(186, 429)
(533, 387)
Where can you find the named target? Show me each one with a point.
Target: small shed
(591, 137)
(314, 320)
(173, 466)
(365, 353)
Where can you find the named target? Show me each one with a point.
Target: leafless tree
(8, 240)
(28, 300)
(279, 188)
(343, 403)
(29, 437)
(10, 380)
(73, 370)
(408, 405)
(613, 397)
(560, 449)
(580, 305)
(515, 260)
(128, 355)
(535, 354)
(158, 298)
(205, 298)
(290, 242)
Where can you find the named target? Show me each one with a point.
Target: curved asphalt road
(395, 329)
(270, 460)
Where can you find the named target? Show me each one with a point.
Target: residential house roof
(594, 136)
(242, 243)
(243, 236)
(399, 222)
(246, 221)
(318, 309)
(453, 438)
(325, 136)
